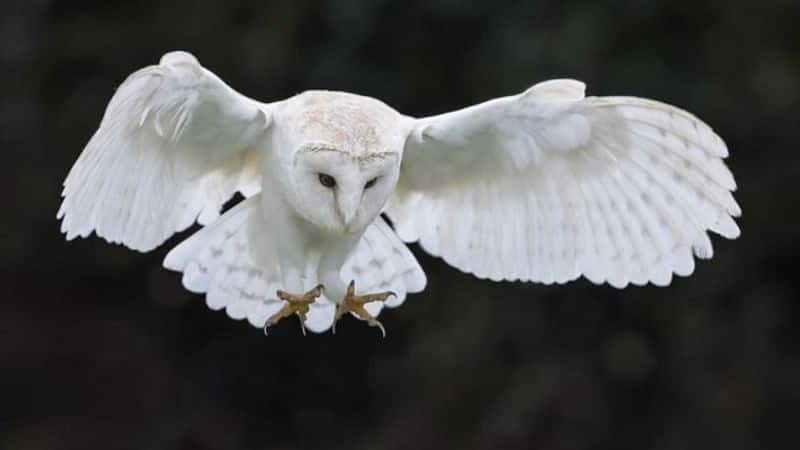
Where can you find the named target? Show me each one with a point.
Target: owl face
(341, 155)
(341, 192)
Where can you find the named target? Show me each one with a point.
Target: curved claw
(380, 327)
(302, 327)
(354, 304)
(294, 305)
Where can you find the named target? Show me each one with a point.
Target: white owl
(544, 186)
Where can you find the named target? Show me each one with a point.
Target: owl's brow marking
(315, 148)
(319, 148)
(367, 158)
(377, 155)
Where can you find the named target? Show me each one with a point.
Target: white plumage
(549, 185)
(544, 186)
(173, 144)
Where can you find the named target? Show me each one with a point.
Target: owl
(543, 186)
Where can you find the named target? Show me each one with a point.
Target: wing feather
(549, 185)
(174, 144)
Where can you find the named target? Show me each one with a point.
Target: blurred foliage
(101, 348)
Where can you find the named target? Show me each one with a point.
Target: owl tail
(219, 261)
(382, 262)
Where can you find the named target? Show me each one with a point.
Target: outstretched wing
(549, 185)
(175, 143)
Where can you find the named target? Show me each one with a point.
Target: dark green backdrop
(102, 349)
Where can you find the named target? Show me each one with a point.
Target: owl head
(343, 160)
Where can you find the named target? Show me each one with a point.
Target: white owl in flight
(544, 186)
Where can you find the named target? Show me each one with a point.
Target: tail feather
(382, 262)
(218, 261)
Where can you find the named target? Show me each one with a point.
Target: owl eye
(327, 180)
(370, 183)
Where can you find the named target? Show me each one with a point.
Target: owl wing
(549, 185)
(174, 144)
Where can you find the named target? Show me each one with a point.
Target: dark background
(100, 348)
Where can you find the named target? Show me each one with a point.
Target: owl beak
(347, 206)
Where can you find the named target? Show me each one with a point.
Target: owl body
(348, 135)
(544, 186)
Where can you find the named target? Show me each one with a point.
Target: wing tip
(561, 89)
(178, 57)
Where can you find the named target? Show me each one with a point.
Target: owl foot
(355, 304)
(295, 304)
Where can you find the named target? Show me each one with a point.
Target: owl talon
(295, 304)
(355, 304)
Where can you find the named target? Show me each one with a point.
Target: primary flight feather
(545, 186)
